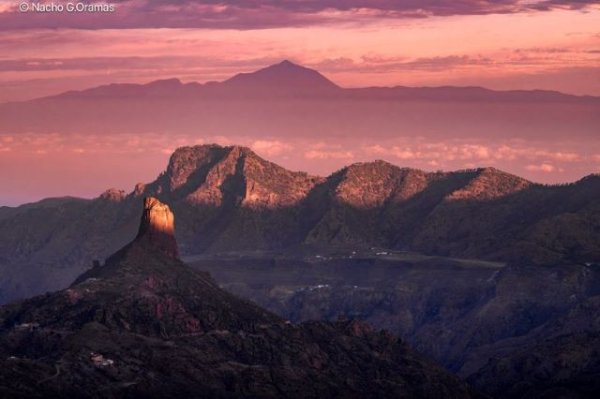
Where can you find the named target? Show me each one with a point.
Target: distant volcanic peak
(157, 227)
(285, 74)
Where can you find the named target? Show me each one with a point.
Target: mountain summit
(284, 75)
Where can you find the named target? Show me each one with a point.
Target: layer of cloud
(205, 64)
(444, 152)
(271, 148)
(544, 167)
(259, 14)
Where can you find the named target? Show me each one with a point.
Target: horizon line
(298, 65)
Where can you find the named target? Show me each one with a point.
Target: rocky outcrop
(145, 325)
(157, 227)
(113, 194)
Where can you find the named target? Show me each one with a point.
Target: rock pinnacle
(157, 227)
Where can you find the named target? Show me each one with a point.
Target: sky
(501, 44)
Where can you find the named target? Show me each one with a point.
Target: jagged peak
(212, 174)
(186, 162)
(241, 176)
(202, 149)
(198, 174)
(157, 227)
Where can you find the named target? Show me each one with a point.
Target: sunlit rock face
(157, 227)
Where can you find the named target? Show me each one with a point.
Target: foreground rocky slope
(145, 325)
(229, 199)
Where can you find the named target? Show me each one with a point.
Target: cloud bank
(263, 14)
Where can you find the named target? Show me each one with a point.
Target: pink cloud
(325, 151)
(404, 153)
(270, 147)
(328, 154)
(544, 167)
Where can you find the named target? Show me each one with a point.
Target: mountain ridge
(288, 76)
(230, 199)
(300, 102)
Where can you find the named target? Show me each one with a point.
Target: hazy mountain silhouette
(287, 77)
(290, 100)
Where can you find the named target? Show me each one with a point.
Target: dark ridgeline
(145, 325)
(230, 199)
